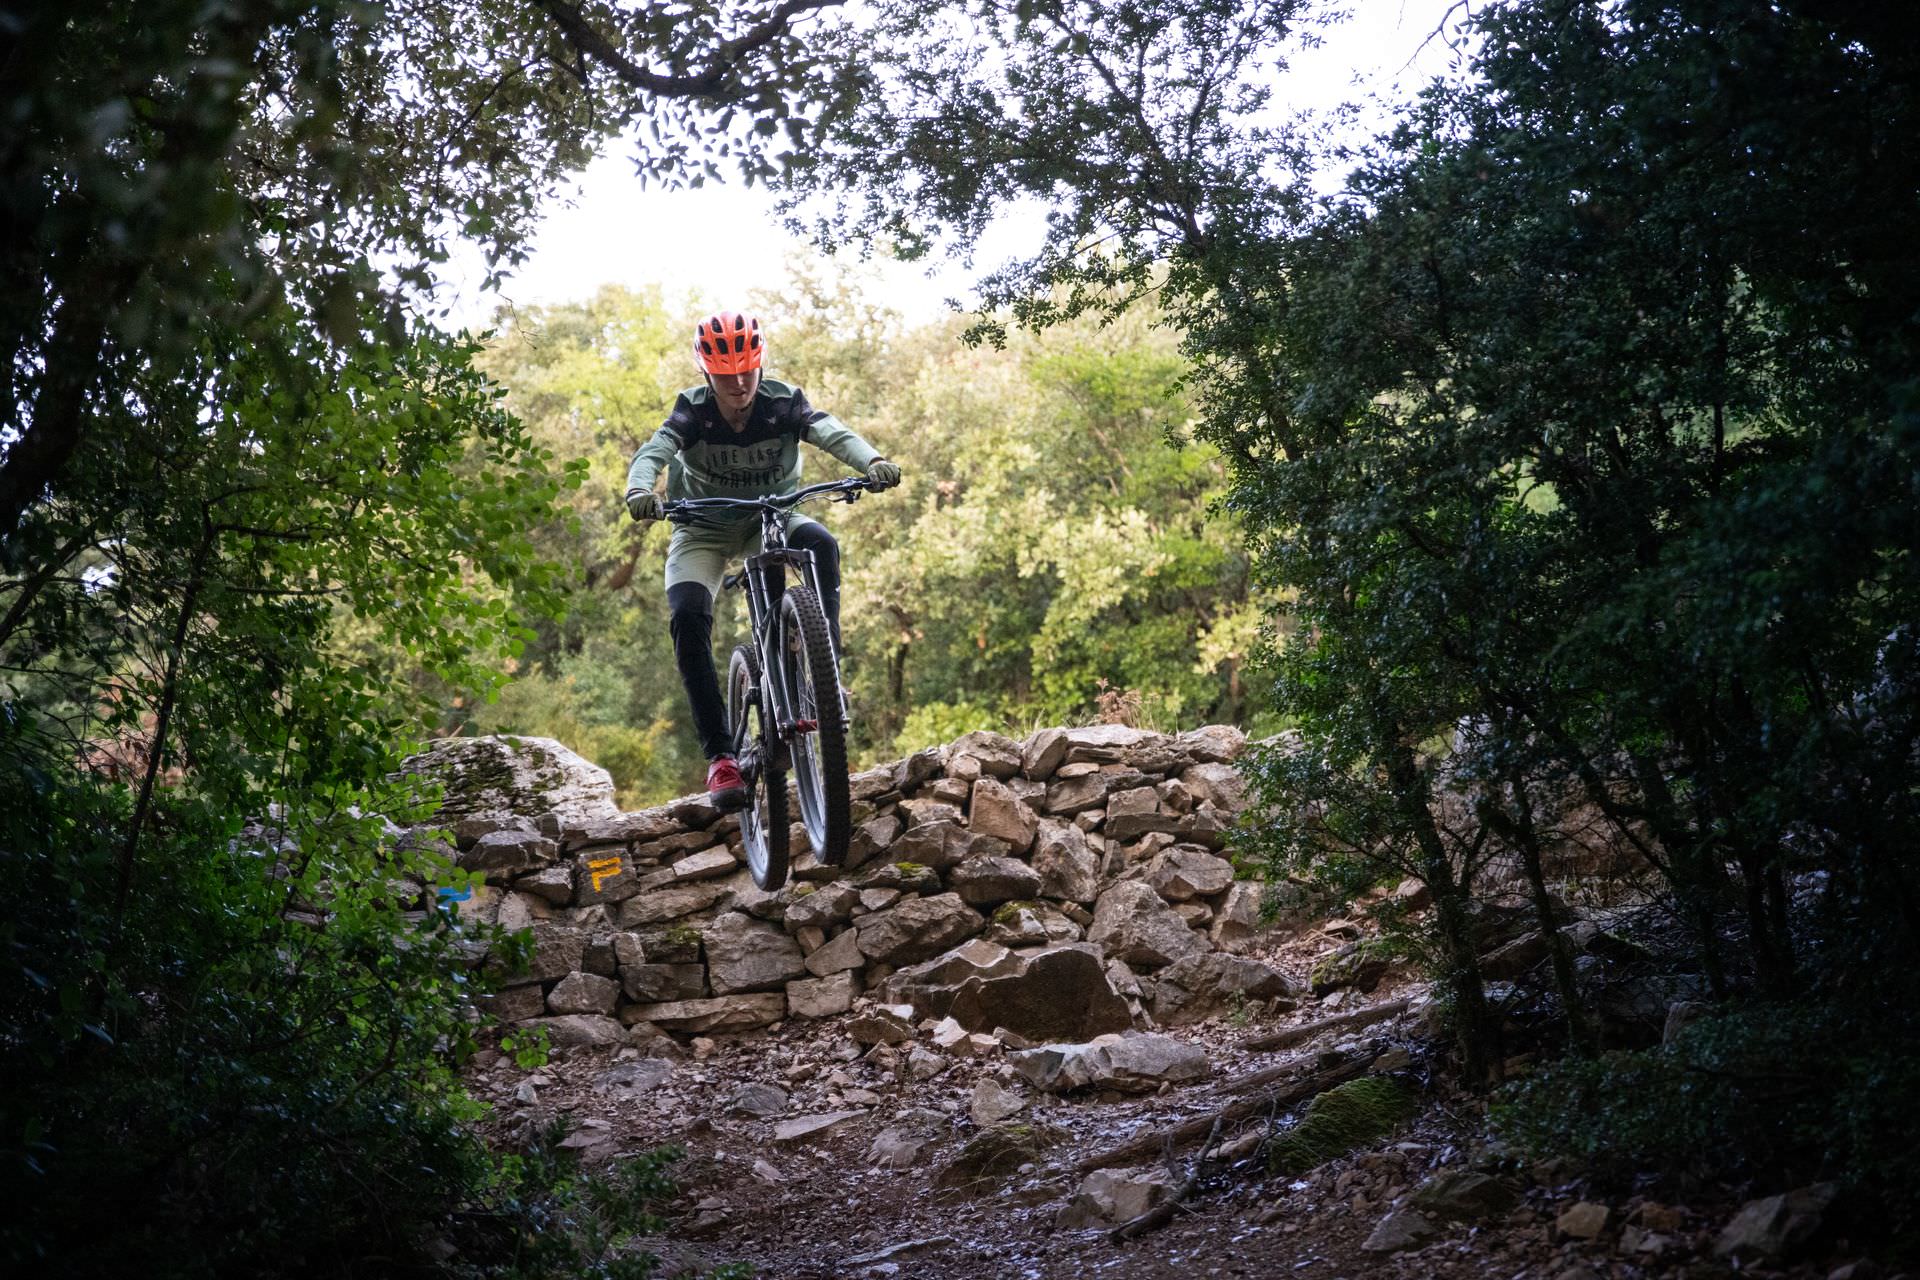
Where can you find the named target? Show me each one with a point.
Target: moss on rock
(1340, 1120)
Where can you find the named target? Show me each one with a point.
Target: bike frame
(765, 580)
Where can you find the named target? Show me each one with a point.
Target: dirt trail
(830, 1206)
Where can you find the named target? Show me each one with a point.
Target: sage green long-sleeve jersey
(706, 458)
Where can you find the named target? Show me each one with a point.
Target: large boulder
(931, 986)
(1059, 995)
(503, 779)
(1198, 986)
(744, 954)
(1135, 924)
(918, 929)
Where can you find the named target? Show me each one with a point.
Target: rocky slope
(1035, 1013)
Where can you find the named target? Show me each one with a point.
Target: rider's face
(736, 390)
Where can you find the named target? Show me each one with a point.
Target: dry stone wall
(1065, 887)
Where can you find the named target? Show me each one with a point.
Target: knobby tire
(763, 823)
(819, 757)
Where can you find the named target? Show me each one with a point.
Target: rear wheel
(763, 823)
(820, 744)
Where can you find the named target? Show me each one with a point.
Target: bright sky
(608, 229)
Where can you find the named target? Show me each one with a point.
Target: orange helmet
(729, 342)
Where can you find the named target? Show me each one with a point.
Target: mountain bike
(785, 707)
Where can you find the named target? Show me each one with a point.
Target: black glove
(644, 504)
(884, 474)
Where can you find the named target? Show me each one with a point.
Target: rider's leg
(811, 535)
(696, 559)
(692, 627)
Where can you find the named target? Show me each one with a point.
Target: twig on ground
(1161, 1214)
(1339, 1022)
(1137, 1149)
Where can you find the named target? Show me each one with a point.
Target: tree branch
(709, 84)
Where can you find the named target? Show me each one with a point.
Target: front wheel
(763, 822)
(820, 734)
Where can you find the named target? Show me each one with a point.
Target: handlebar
(687, 510)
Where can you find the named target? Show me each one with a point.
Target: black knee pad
(691, 607)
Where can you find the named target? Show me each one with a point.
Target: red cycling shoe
(725, 787)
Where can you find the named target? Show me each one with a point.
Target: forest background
(1058, 552)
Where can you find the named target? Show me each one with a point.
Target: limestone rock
(917, 929)
(1582, 1221)
(549, 884)
(906, 876)
(1044, 752)
(634, 1077)
(502, 855)
(1067, 867)
(515, 1004)
(657, 905)
(557, 951)
(998, 756)
(1219, 785)
(1359, 965)
(1134, 1062)
(1198, 986)
(880, 1026)
(758, 1099)
(1108, 1197)
(1185, 872)
(930, 987)
(744, 954)
(808, 1128)
(1001, 815)
(822, 997)
(584, 993)
(581, 1030)
(1775, 1227)
(1463, 1195)
(1059, 995)
(872, 838)
(719, 1013)
(993, 1154)
(990, 1103)
(897, 1148)
(704, 865)
(985, 882)
(1133, 923)
(604, 875)
(1069, 796)
(663, 983)
(1400, 1230)
(821, 908)
(1132, 814)
(507, 778)
(1213, 743)
(1107, 743)
(839, 954)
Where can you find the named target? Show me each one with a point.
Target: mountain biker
(736, 436)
